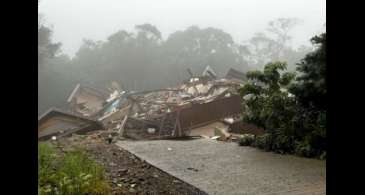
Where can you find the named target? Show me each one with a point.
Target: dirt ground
(127, 173)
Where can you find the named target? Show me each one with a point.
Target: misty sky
(73, 20)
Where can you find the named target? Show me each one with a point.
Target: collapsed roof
(235, 74)
(56, 122)
(87, 100)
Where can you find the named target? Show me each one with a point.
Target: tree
(148, 31)
(274, 45)
(294, 122)
(47, 52)
(143, 60)
(268, 104)
(311, 91)
(310, 88)
(46, 49)
(196, 48)
(280, 28)
(260, 49)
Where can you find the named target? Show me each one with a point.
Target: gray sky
(73, 20)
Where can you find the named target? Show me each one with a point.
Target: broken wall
(199, 114)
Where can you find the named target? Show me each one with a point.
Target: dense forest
(142, 59)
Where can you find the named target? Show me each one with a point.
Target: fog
(73, 20)
(144, 45)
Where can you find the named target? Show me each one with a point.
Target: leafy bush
(246, 140)
(46, 163)
(282, 143)
(263, 141)
(72, 173)
(303, 148)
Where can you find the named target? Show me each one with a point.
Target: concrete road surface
(224, 168)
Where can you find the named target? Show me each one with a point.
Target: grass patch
(72, 173)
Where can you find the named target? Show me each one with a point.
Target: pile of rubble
(154, 114)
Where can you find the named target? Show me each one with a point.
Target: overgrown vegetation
(291, 109)
(72, 173)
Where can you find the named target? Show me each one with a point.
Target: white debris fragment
(229, 120)
(169, 149)
(151, 130)
(113, 96)
(215, 137)
(54, 138)
(194, 79)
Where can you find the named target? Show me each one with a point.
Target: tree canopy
(310, 88)
(142, 59)
(291, 109)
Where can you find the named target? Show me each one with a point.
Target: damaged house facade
(86, 100)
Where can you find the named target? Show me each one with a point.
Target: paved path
(225, 168)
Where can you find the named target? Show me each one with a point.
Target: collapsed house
(172, 112)
(87, 100)
(59, 123)
(163, 113)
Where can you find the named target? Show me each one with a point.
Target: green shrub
(79, 174)
(46, 163)
(282, 143)
(246, 140)
(72, 173)
(303, 148)
(263, 141)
